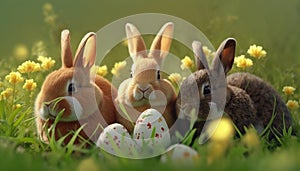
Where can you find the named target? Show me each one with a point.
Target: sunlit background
(275, 24)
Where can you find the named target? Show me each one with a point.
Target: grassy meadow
(30, 49)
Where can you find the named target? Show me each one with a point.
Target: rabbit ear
(199, 55)
(225, 54)
(162, 43)
(86, 52)
(136, 44)
(66, 52)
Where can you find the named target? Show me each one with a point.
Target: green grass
(249, 22)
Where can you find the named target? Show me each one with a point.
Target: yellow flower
(288, 90)
(47, 62)
(175, 78)
(14, 78)
(21, 51)
(221, 131)
(256, 51)
(292, 104)
(243, 62)
(117, 67)
(39, 48)
(6, 93)
(102, 70)
(16, 106)
(47, 7)
(208, 53)
(29, 85)
(251, 140)
(29, 67)
(186, 63)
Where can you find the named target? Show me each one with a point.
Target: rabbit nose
(143, 88)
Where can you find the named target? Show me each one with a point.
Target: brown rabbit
(249, 99)
(267, 101)
(209, 86)
(84, 100)
(146, 88)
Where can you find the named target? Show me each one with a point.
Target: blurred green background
(274, 24)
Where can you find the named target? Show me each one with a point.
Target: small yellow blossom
(6, 93)
(29, 85)
(21, 51)
(292, 104)
(29, 67)
(256, 51)
(16, 106)
(251, 140)
(175, 78)
(186, 63)
(207, 52)
(117, 67)
(288, 90)
(102, 70)
(39, 48)
(14, 78)
(243, 62)
(221, 131)
(47, 62)
(47, 7)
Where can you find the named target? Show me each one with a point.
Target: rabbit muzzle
(142, 92)
(69, 105)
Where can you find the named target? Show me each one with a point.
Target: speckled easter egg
(151, 130)
(116, 140)
(179, 153)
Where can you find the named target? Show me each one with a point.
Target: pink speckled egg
(151, 130)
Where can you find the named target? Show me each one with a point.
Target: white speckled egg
(179, 153)
(116, 140)
(151, 129)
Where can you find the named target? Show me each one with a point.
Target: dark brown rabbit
(267, 101)
(209, 86)
(247, 99)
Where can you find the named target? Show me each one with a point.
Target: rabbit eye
(158, 74)
(130, 74)
(71, 88)
(206, 89)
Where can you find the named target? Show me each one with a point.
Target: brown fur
(249, 99)
(266, 100)
(100, 93)
(144, 74)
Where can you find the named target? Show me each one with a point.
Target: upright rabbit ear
(136, 44)
(86, 52)
(66, 52)
(199, 55)
(162, 43)
(225, 55)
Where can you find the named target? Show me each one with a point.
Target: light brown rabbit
(146, 88)
(85, 99)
